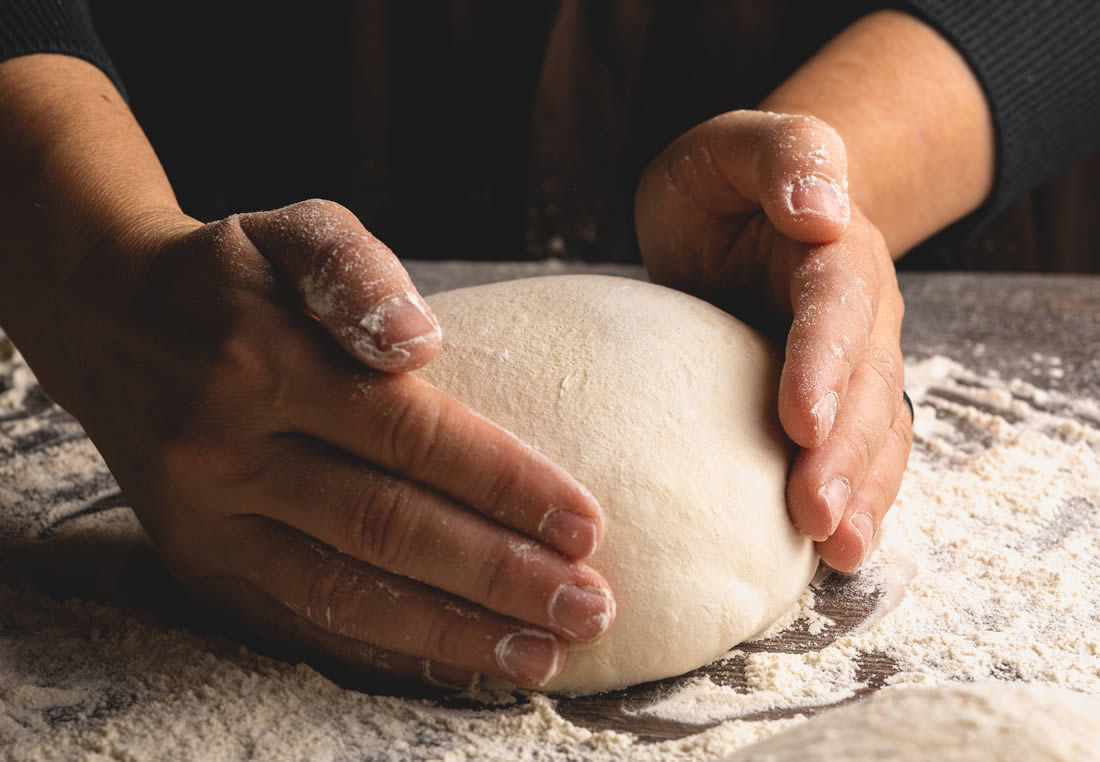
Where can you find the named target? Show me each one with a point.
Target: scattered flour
(989, 568)
(989, 720)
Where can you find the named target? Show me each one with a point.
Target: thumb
(802, 176)
(793, 167)
(351, 281)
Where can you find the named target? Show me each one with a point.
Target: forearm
(914, 119)
(77, 169)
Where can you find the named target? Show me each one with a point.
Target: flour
(989, 567)
(802, 611)
(19, 378)
(989, 720)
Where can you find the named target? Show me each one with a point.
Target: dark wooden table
(997, 323)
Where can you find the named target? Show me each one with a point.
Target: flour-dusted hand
(359, 514)
(751, 211)
(244, 380)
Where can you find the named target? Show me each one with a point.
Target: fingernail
(529, 656)
(865, 530)
(398, 321)
(819, 196)
(583, 613)
(573, 535)
(824, 413)
(446, 676)
(836, 494)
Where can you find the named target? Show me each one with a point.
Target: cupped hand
(751, 211)
(245, 382)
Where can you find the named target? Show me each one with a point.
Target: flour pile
(989, 568)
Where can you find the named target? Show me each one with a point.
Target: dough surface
(977, 722)
(665, 408)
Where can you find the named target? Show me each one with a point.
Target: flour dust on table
(989, 570)
(989, 720)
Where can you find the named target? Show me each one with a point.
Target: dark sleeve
(52, 26)
(1039, 64)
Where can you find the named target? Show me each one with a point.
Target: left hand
(750, 210)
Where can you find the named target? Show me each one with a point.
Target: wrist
(79, 178)
(914, 119)
(78, 164)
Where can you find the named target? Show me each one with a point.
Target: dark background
(492, 130)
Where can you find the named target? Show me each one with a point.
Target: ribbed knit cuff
(1039, 64)
(53, 26)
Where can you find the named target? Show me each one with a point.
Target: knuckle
(885, 366)
(443, 640)
(412, 433)
(345, 251)
(325, 601)
(382, 526)
(902, 432)
(883, 483)
(497, 570)
(499, 487)
(223, 247)
(226, 235)
(332, 295)
(811, 137)
(219, 243)
(346, 600)
(691, 169)
(317, 209)
(882, 494)
(858, 444)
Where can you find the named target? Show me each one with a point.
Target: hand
(750, 210)
(232, 376)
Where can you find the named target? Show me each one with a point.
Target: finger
(404, 528)
(855, 536)
(350, 662)
(351, 281)
(415, 431)
(837, 292)
(353, 600)
(803, 179)
(794, 167)
(824, 478)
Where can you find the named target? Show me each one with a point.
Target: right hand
(245, 382)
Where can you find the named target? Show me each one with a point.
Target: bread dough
(665, 408)
(974, 722)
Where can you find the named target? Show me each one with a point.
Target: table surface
(992, 323)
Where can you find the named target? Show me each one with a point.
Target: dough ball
(977, 722)
(665, 408)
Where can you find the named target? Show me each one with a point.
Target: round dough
(977, 722)
(665, 408)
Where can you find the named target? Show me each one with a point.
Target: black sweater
(1038, 62)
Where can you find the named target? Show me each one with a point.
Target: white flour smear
(989, 568)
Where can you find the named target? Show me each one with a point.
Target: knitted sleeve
(1039, 64)
(52, 26)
